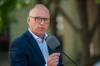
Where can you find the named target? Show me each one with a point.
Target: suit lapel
(34, 44)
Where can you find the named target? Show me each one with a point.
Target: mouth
(41, 29)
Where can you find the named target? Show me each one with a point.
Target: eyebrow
(39, 17)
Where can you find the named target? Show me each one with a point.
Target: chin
(40, 34)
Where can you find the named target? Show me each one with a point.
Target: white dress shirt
(43, 46)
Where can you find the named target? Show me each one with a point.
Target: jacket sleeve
(60, 61)
(17, 56)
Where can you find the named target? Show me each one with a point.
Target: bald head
(39, 10)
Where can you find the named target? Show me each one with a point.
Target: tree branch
(96, 23)
(68, 19)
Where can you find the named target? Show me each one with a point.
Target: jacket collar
(34, 44)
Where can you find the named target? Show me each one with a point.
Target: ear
(28, 19)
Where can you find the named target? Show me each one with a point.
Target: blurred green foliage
(98, 1)
(0, 24)
(7, 6)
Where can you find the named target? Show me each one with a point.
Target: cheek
(46, 27)
(31, 24)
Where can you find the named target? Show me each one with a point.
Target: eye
(38, 19)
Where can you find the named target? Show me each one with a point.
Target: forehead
(41, 11)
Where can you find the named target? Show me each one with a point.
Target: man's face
(39, 21)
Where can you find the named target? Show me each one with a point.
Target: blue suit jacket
(24, 51)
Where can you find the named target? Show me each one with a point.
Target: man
(31, 49)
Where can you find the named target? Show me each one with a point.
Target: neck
(37, 34)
